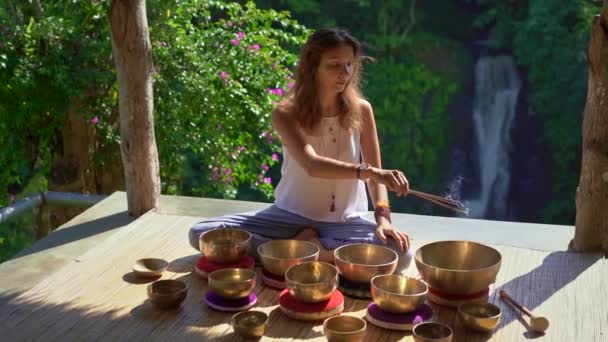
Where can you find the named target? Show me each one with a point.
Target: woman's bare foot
(326, 255)
(311, 235)
(306, 234)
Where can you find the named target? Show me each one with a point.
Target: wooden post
(592, 194)
(135, 68)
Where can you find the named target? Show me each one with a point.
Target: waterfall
(497, 86)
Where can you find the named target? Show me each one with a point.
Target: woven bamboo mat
(95, 297)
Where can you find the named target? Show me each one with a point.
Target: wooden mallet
(537, 323)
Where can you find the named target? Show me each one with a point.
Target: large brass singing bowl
(312, 281)
(232, 283)
(361, 262)
(277, 256)
(225, 245)
(397, 293)
(458, 267)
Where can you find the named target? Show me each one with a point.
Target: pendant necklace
(337, 142)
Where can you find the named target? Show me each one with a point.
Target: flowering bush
(220, 68)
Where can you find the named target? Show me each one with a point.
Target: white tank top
(311, 197)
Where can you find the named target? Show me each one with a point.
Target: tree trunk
(592, 194)
(133, 57)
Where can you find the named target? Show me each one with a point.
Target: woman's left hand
(386, 230)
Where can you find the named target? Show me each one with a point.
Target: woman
(330, 148)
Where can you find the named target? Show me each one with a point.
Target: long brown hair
(304, 96)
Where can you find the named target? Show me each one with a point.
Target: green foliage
(19, 232)
(410, 102)
(221, 69)
(549, 38)
(204, 81)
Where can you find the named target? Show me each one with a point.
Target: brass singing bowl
(277, 256)
(225, 245)
(344, 328)
(312, 281)
(150, 267)
(458, 267)
(480, 316)
(432, 332)
(232, 283)
(361, 262)
(397, 293)
(250, 324)
(167, 294)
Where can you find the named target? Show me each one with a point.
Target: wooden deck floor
(95, 296)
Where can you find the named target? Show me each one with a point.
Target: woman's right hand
(394, 180)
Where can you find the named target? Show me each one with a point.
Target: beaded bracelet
(382, 209)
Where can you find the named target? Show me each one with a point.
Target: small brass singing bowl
(150, 267)
(432, 332)
(361, 262)
(344, 328)
(397, 293)
(232, 283)
(480, 316)
(250, 324)
(167, 294)
(458, 267)
(312, 281)
(277, 256)
(225, 245)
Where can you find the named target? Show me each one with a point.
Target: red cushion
(208, 266)
(289, 302)
(482, 293)
(272, 276)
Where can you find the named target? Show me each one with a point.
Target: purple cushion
(422, 314)
(213, 298)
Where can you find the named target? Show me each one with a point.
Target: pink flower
(94, 120)
(234, 41)
(241, 148)
(229, 24)
(228, 171)
(265, 167)
(255, 47)
(267, 180)
(240, 35)
(219, 126)
(215, 175)
(268, 137)
(275, 157)
(229, 179)
(290, 85)
(276, 91)
(224, 75)
(260, 176)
